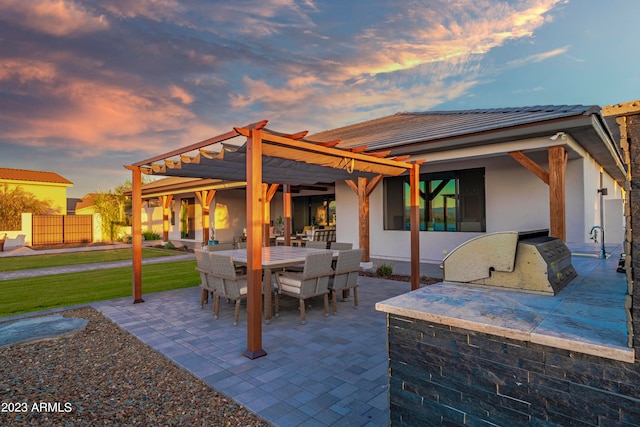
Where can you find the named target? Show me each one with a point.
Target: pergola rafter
(269, 157)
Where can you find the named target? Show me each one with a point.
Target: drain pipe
(603, 192)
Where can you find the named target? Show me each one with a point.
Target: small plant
(169, 245)
(150, 235)
(384, 270)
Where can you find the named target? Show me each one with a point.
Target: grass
(60, 290)
(74, 258)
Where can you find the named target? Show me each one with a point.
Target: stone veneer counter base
(587, 318)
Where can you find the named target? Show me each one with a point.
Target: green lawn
(74, 258)
(60, 290)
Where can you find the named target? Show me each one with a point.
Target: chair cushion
(290, 284)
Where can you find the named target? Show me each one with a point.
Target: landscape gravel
(104, 376)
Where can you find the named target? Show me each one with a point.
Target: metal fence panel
(58, 229)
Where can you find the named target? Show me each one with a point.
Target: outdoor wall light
(561, 135)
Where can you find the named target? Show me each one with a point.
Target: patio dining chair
(346, 276)
(340, 246)
(206, 283)
(226, 283)
(313, 281)
(315, 244)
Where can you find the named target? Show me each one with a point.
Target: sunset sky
(89, 86)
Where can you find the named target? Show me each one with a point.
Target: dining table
(273, 258)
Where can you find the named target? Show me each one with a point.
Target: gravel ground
(105, 376)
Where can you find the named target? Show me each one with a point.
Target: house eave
(587, 130)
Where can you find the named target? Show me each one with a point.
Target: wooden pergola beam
(532, 166)
(555, 179)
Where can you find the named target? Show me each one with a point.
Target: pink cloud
(55, 17)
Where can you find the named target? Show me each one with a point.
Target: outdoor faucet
(594, 234)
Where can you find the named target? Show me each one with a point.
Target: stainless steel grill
(530, 262)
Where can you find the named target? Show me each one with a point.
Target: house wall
(229, 214)
(515, 200)
(613, 206)
(55, 193)
(152, 218)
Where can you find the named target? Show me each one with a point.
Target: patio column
(555, 179)
(268, 191)
(414, 181)
(286, 204)
(363, 189)
(557, 167)
(136, 232)
(205, 197)
(165, 202)
(255, 200)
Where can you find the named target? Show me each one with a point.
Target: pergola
(266, 160)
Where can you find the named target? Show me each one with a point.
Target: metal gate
(57, 229)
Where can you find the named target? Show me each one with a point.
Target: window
(449, 201)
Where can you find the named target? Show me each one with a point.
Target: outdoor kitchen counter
(587, 316)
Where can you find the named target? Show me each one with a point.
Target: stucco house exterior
(484, 171)
(44, 185)
(474, 166)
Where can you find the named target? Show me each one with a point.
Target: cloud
(54, 17)
(539, 57)
(89, 114)
(150, 75)
(416, 58)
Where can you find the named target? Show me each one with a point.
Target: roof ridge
(578, 108)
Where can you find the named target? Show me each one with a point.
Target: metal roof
(432, 131)
(411, 127)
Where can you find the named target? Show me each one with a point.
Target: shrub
(384, 270)
(150, 235)
(169, 245)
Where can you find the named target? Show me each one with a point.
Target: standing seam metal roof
(411, 127)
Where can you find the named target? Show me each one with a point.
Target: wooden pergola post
(136, 232)
(414, 219)
(557, 211)
(205, 197)
(165, 202)
(255, 200)
(363, 189)
(286, 207)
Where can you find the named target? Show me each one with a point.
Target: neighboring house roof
(433, 131)
(34, 176)
(87, 201)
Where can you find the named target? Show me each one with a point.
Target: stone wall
(441, 375)
(630, 133)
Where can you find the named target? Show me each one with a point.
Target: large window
(449, 201)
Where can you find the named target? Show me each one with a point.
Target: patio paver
(331, 371)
